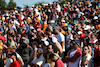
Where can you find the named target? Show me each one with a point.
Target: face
(38, 53)
(55, 31)
(33, 46)
(8, 53)
(65, 28)
(85, 50)
(50, 48)
(75, 46)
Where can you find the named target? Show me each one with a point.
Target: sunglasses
(85, 49)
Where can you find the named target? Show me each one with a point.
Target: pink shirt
(59, 63)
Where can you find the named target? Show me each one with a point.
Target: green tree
(3, 5)
(11, 5)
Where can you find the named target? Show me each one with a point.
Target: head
(8, 53)
(75, 45)
(65, 26)
(53, 57)
(95, 45)
(56, 30)
(12, 48)
(39, 52)
(48, 31)
(34, 44)
(85, 50)
(50, 48)
(26, 41)
(13, 55)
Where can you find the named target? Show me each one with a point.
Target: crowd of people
(51, 35)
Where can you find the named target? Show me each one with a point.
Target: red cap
(10, 21)
(82, 35)
(20, 19)
(92, 43)
(23, 25)
(6, 19)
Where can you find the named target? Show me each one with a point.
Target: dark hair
(86, 46)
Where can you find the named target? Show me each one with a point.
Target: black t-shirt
(1, 63)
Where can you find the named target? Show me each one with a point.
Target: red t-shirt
(15, 64)
(59, 63)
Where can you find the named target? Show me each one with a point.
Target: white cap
(46, 43)
(54, 40)
(79, 32)
(87, 27)
(95, 18)
(76, 9)
(62, 20)
(47, 65)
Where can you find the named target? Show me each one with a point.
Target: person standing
(60, 38)
(26, 52)
(58, 62)
(86, 60)
(15, 62)
(74, 56)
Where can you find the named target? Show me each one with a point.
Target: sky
(21, 3)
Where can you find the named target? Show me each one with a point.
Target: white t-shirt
(15, 22)
(75, 63)
(60, 38)
(18, 56)
(58, 8)
(9, 61)
(70, 36)
(39, 61)
(87, 57)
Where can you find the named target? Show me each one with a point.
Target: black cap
(51, 55)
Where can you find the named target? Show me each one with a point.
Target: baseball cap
(76, 42)
(35, 43)
(65, 24)
(40, 50)
(95, 18)
(23, 25)
(51, 55)
(87, 27)
(82, 35)
(76, 9)
(62, 20)
(56, 27)
(26, 41)
(79, 32)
